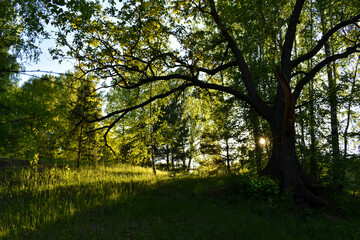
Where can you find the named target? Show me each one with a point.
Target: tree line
(199, 83)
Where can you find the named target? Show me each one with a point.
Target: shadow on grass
(171, 209)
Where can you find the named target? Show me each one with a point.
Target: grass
(127, 202)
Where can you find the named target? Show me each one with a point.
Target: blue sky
(46, 63)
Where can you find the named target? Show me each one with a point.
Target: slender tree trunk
(302, 130)
(80, 146)
(151, 136)
(227, 154)
(313, 166)
(348, 115)
(191, 149)
(301, 122)
(338, 168)
(183, 158)
(189, 164)
(256, 134)
(167, 157)
(172, 162)
(153, 161)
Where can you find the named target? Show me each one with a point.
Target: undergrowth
(127, 202)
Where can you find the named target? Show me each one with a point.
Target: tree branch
(218, 69)
(256, 102)
(244, 68)
(126, 110)
(310, 75)
(289, 39)
(323, 41)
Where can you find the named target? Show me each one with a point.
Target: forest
(251, 103)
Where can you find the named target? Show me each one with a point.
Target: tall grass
(127, 202)
(32, 197)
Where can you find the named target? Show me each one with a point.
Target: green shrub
(34, 163)
(261, 188)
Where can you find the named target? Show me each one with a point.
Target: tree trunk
(348, 110)
(79, 146)
(338, 168)
(172, 162)
(313, 166)
(167, 157)
(227, 154)
(302, 130)
(152, 147)
(189, 164)
(183, 158)
(283, 164)
(255, 125)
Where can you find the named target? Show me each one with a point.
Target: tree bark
(283, 164)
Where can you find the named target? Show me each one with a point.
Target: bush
(261, 188)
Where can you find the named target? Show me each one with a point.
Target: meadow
(120, 201)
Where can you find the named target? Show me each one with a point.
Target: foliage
(34, 163)
(261, 188)
(47, 118)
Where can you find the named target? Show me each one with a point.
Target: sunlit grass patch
(32, 197)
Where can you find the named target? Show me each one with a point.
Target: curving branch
(140, 105)
(125, 111)
(225, 89)
(310, 75)
(218, 69)
(256, 101)
(324, 40)
(244, 68)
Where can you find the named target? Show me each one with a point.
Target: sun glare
(262, 141)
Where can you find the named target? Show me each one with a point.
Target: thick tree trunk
(283, 164)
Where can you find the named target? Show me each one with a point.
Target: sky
(46, 64)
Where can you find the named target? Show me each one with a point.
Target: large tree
(242, 48)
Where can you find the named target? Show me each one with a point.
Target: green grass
(126, 202)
